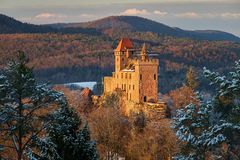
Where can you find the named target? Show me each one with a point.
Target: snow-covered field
(82, 84)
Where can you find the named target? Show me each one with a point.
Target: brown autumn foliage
(56, 50)
(78, 99)
(133, 136)
(110, 129)
(68, 50)
(63, 58)
(155, 142)
(192, 78)
(181, 97)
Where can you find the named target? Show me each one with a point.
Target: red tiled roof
(124, 44)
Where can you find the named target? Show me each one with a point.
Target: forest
(62, 58)
(41, 121)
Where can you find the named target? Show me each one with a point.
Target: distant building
(136, 75)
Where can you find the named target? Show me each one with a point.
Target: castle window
(122, 86)
(126, 75)
(129, 87)
(145, 98)
(125, 87)
(133, 87)
(130, 98)
(122, 75)
(130, 76)
(122, 59)
(140, 76)
(154, 76)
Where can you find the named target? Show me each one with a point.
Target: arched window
(145, 98)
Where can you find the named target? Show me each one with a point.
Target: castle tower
(122, 53)
(136, 76)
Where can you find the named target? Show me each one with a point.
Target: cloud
(188, 15)
(134, 11)
(50, 16)
(226, 15)
(160, 13)
(230, 15)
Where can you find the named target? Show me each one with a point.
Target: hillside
(112, 26)
(86, 53)
(62, 58)
(9, 25)
(116, 24)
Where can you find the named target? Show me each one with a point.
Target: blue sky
(186, 14)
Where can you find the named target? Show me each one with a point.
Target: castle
(136, 75)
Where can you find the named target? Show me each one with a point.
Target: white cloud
(230, 15)
(134, 11)
(50, 16)
(188, 15)
(226, 15)
(160, 13)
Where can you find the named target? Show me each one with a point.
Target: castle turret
(122, 53)
(144, 52)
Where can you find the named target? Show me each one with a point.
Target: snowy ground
(83, 84)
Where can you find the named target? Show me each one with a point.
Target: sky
(221, 15)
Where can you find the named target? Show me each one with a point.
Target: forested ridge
(61, 53)
(63, 58)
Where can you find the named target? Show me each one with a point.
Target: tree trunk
(20, 129)
(20, 154)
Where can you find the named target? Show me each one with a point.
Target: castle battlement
(139, 61)
(136, 75)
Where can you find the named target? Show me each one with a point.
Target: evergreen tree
(191, 79)
(207, 127)
(70, 136)
(21, 103)
(98, 88)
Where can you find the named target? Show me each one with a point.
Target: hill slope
(10, 25)
(132, 23)
(111, 25)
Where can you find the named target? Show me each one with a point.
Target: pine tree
(191, 79)
(70, 136)
(206, 127)
(21, 100)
